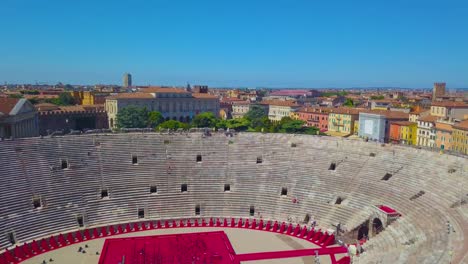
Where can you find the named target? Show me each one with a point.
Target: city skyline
(244, 44)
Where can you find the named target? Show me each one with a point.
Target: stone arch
(363, 231)
(377, 226)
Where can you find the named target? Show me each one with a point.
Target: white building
(426, 131)
(172, 103)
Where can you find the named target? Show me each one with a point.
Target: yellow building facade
(342, 120)
(460, 137)
(409, 133)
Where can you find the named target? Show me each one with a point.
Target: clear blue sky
(282, 43)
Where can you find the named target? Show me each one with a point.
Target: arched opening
(363, 231)
(111, 122)
(377, 226)
(306, 218)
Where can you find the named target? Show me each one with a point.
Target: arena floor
(243, 241)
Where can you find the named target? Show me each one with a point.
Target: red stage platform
(191, 248)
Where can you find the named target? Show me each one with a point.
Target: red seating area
(34, 248)
(387, 209)
(203, 247)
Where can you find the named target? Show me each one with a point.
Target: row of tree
(63, 98)
(255, 120)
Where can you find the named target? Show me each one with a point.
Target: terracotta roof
(204, 95)
(162, 90)
(389, 114)
(280, 103)
(41, 96)
(240, 102)
(451, 104)
(463, 125)
(231, 99)
(418, 111)
(346, 110)
(444, 126)
(429, 118)
(7, 104)
(131, 96)
(404, 123)
(46, 107)
(315, 110)
(69, 108)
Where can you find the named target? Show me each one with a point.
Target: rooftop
(429, 118)
(7, 104)
(389, 114)
(450, 104)
(157, 89)
(204, 95)
(404, 123)
(463, 125)
(132, 96)
(280, 103)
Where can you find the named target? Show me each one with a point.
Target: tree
(349, 102)
(66, 99)
(290, 125)
(206, 119)
(33, 100)
(17, 96)
(255, 112)
(155, 119)
(132, 117)
(377, 97)
(173, 124)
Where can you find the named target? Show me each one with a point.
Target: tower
(127, 80)
(438, 90)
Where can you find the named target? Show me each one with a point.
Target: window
(64, 164)
(12, 237)
(80, 220)
(227, 187)
(104, 193)
(387, 177)
(259, 159)
(199, 158)
(197, 209)
(37, 202)
(372, 154)
(134, 159)
(293, 145)
(183, 188)
(153, 189)
(284, 191)
(141, 213)
(332, 166)
(252, 210)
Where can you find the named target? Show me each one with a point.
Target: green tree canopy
(255, 112)
(377, 97)
(18, 96)
(206, 119)
(66, 99)
(290, 125)
(132, 117)
(63, 99)
(155, 119)
(173, 124)
(239, 124)
(349, 102)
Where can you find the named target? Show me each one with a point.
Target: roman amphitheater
(229, 198)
